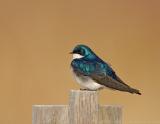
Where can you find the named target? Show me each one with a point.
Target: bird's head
(81, 51)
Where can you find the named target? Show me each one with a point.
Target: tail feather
(132, 90)
(129, 89)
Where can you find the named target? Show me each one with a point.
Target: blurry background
(36, 37)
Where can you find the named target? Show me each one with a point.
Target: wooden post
(50, 114)
(109, 114)
(83, 108)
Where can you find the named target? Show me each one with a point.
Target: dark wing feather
(112, 83)
(97, 71)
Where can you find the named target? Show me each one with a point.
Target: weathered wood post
(83, 108)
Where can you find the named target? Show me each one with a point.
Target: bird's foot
(83, 89)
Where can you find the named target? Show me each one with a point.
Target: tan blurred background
(36, 37)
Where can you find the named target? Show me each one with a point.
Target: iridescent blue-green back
(92, 64)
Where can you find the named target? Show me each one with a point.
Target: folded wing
(101, 74)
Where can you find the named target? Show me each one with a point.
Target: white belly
(87, 82)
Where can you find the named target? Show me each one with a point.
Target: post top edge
(84, 91)
(49, 105)
(114, 106)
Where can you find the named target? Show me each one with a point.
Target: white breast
(87, 83)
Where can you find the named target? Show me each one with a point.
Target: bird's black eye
(78, 51)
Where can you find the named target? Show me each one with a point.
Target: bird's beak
(71, 53)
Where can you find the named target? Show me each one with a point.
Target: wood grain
(50, 114)
(109, 114)
(83, 107)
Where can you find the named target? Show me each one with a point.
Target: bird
(92, 73)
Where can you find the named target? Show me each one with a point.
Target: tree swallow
(92, 73)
